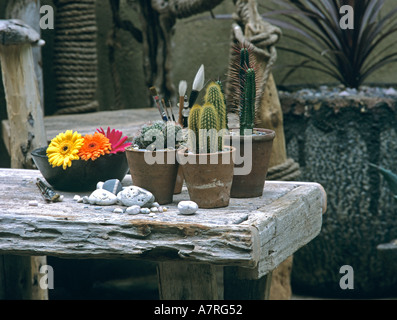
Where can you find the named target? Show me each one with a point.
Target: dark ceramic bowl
(82, 175)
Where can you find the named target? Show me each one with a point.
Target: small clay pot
(208, 176)
(158, 177)
(249, 185)
(179, 181)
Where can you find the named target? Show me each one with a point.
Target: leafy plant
(159, 135)
(350, 56)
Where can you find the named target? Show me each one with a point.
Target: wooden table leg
(239, 285)
(19, 278)
(187, 281)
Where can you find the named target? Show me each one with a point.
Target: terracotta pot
(208, 176)
(158, 177)
(179, 181)
(250, 181)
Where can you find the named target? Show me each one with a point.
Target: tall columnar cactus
(214, 95)
(245, 86)
(209, 129)
(224, 100)
(247, 113)
(193, 126)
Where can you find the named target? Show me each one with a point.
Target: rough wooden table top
(257, 233)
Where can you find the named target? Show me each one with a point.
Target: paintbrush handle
(181, 105)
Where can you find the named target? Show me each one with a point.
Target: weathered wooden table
(249, 238)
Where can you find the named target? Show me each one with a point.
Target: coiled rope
(75, 56)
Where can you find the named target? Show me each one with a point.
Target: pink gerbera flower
(115, 137)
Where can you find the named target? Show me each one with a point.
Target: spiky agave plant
(348, 55)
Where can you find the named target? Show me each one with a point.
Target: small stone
(154, 209)
(155, 204)
(99, 185)
(133, 195)
(145, 210)
(98, 208)
(85, 200)
(160, 209)
(80, 200)
(76, 197)
(118, 210)
(102, 197)
(133, 210)
(33, 203)
(114, 186)
(165, 209)
(187, 207)
(152, 214)
(61, 198)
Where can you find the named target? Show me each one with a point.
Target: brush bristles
(182, 88)
(198, 82)
(153, 91)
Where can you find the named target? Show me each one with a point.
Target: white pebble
(154, 209)
(33, 203)
(133, 210)
(187, 207)
(155, 204)
(152, 214)
(118, 210)
(76, 197)
(160, 209)
(145, 210)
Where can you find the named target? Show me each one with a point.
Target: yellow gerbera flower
(64, 148)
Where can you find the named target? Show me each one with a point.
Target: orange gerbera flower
(94, 146)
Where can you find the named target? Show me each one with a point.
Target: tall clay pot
(249, 183)
(154, 171)
(208, 176)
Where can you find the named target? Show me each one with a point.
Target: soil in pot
(154, 171)
(208, 176)
(250, 175)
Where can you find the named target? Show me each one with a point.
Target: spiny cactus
(224, 100)
(247, 113)
(158, 135)
(214, 95)
(193, 126)
(208, 129)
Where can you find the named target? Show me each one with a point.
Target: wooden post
(29, 12)
(176, 281)
(25, 116)
(240, 285)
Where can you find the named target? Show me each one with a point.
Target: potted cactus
(254, 145)
(207, 164)
(152, 159)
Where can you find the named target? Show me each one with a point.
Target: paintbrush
(198, 85)
(182, 92)
(172, 112)
(166, 109)
(156, 98)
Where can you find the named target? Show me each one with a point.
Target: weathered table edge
(268, 237)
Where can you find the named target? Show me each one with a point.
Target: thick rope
(75, 56)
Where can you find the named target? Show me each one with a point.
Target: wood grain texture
(258, 232)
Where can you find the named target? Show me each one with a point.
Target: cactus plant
(209, 129)
(247, 113)
(214, 95)
(193, 126)
(158, 135)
